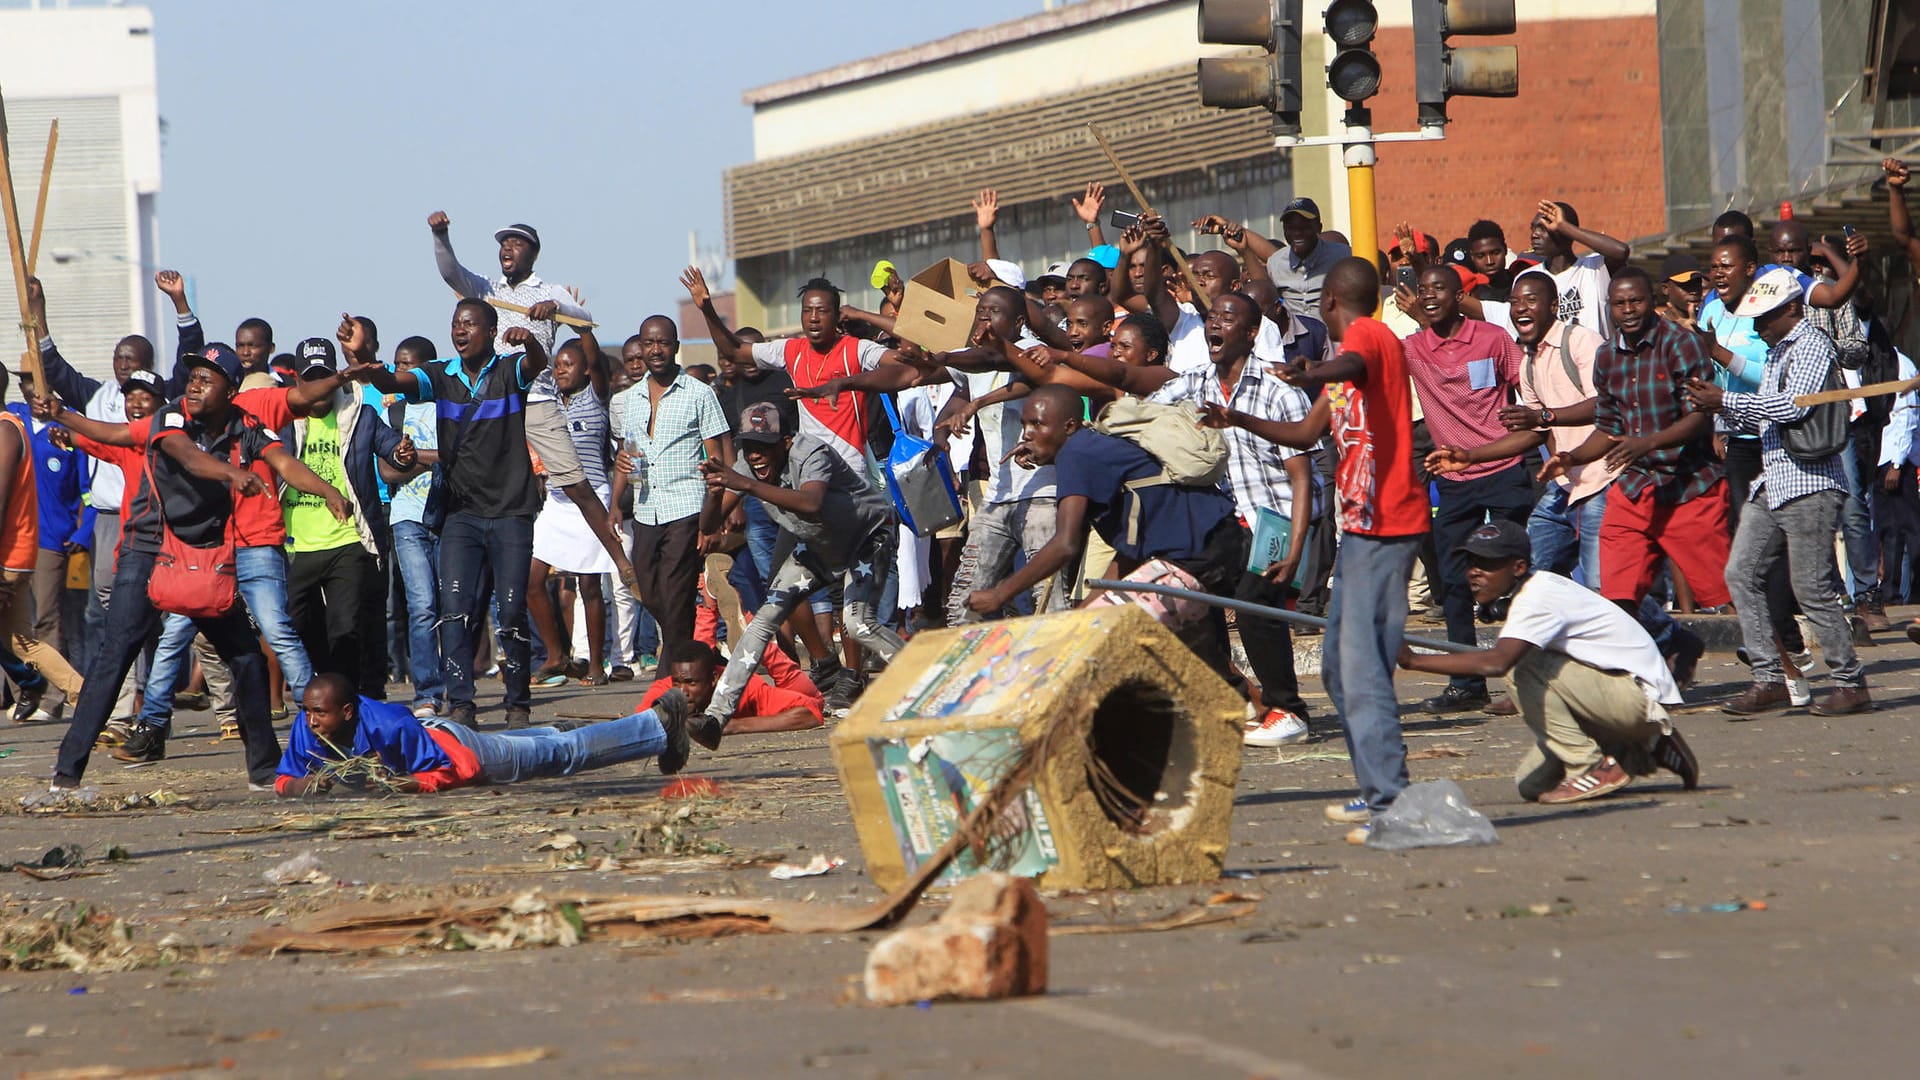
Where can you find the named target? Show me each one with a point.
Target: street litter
(816, 866)
(54, 800)
(1432, 813)
(83, 940)
(302, 869)
(1717, 909)
(60, 863)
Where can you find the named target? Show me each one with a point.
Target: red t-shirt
(1373, 435)
(257, 519)
(760, 698)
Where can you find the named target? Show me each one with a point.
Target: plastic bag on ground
(1432, 813)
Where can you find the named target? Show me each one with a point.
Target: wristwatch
(1546, 417)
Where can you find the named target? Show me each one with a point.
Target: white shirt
(1583, 292)
(1554, 612)
(1000, 433)
(1897, 444)
(1187, 343)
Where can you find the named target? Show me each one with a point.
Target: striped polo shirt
(491, 474)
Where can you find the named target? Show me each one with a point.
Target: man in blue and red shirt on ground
(434, 755)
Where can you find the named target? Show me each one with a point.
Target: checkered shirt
(1638, 388)
(1256, 468)
(1796, 364)
(688, 415)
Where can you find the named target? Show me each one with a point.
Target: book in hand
(1272, 536)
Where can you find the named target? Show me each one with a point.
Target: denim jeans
(106, 548)
(470, 546)
(1000, 538)
(261, 573)
(1808, 524)
(537, 753)
(1565, 539)
(417, 551)
(131, 620)
(798, 577)
(762, 535)
(1463, 506)
(1856, 522)
(1366, 621)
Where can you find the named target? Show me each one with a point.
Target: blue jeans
(470, 547)
(417, 551)
(1366, 620)
(261, 574)
(1566, 540)
(536, 753)
(1856, 521)
(762, 535)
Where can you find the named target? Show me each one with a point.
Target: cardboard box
(937, 311)
(1137, 789)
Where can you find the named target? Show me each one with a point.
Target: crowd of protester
(1555, 439)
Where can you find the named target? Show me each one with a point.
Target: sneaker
(146, 745)
(647, 664)
(1454, 699)
(425, 711)
(462, 715)
(1603, 779)
(671, 710)
(229, 731)
(1803, 660)
(1352, 812)
(839, 699)
(42, 716)
(1688, 648)
(114, 734)
(518, 718)
(1799, 691)
(620, 673)
(1278, 728)
(259, 788)
(26, 702)
(1359, 834)
(1671, 752)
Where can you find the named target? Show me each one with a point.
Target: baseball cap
(1106, 255)
(1498, 540)
(760, 423)
(1007, 273)
(1680, 266)
(315, 354)
(1459, 251)
(524, 232)
(1054, 270)
(1774, 288)
(142, 379)
(220, 357)
(1303, 206)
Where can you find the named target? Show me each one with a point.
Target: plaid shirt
(1639, 393)
(689, 414)
(1256, 468)
(1796, 364)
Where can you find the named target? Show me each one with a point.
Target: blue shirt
(420, 423)
(385, 730)
(1173, 520)
(60, 480)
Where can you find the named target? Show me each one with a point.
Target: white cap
(1007, 273)
(1769, 291)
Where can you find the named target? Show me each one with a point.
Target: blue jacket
(60, 476)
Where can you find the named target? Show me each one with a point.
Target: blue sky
(307, 142)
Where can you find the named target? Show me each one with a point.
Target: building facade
(93, 69)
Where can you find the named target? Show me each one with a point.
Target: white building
(93, 68)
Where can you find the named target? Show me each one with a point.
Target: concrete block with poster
(937, 311)
(1139, 743)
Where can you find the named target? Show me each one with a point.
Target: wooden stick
(40, 206)
(1881, 389)
(1199, 293)
(30, 360)
(564, 320)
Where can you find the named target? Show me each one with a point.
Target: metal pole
(1363, 231)
(1256, 609)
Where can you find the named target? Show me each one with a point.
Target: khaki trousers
(16, 617)
(1578, 714)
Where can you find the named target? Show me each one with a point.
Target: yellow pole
(1363, 231)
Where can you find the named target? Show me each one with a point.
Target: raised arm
(1616, 252)
(533, 358)
(1846, 269)
(1087, 208)
(363, 366)
(62, 379)
(1897, 216)
(986, 212)
(458, 278)
(724, 342)
(191, 335)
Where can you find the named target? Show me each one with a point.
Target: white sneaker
(1799, 691)
(1278, 728)
(424, 712)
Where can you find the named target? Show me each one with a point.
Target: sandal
(620, 673)
(550, 676)
(598, 678)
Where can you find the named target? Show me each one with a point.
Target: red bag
(198, 582)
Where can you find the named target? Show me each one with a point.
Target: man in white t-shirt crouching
(1589, 681)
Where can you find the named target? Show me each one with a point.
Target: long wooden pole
(30, 361)
(1879, 389)
(40, 205)
(564, 320)
(1202, 300)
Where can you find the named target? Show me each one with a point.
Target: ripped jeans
(469, 545)
(794, 580)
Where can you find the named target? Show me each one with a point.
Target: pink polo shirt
(1464, 382)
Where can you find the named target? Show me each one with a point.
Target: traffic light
(1441, 71)
(1354, 74)
(1271, 82)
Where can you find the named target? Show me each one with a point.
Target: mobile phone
(1405, 277)
(1122, 220)
(1849, 230)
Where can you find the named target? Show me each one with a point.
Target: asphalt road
(1556, 953)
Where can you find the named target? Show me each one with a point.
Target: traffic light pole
(1362, 225)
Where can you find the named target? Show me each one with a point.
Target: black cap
(1679, 265)
(524, 232)
(313, 355)
(1304, 207)
(760, 423)
(142, 379)
(219, 357)
(1498, 540)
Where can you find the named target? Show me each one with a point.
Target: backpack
(1189, 455)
